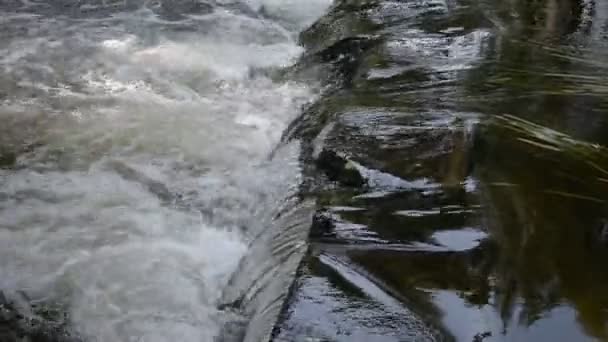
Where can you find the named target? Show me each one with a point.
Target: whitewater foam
(143, 167)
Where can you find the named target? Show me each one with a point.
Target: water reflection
(546, 211)
(501, 105)
(544, 191)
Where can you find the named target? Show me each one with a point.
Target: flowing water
(136, 147)
(303, 170)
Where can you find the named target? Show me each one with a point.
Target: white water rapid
(139, 134)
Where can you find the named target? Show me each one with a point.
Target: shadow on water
(480, 129)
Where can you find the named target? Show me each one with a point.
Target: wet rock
(482, 336)
(233, 331)
(7, 315)
(7, 159)
(323, 225)
(351, 48)
(233, 305)
(343, 59)
(339, 169)
(3, 300)
(155, 187)
(178, 10)
(598, 237)
(17, 327)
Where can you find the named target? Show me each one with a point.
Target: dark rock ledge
(43, 325)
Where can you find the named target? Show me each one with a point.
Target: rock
(7, 159)
(180, 9)
(6, 315)
(339, 169)
(3, 300)
(480, 337)
(323, 225)
(155, 187)
(233, 331)
(234, 305)
(16, 327)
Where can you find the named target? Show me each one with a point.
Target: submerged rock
(323, 225)
(7, 159)
(339, 169)
(180, 9)
(17, 327)
(155, 187)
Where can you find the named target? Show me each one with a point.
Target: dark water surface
(480, 127)
(161, 162)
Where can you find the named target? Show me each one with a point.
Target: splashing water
(139, 135)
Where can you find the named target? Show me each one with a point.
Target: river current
(140, 138)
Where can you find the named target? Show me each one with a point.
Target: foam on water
(142, 169)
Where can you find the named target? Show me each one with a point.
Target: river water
(135, 145)
(303, 170)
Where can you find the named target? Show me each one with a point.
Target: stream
(303, 170)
